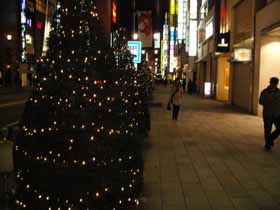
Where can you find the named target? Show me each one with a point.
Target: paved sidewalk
(211, 159)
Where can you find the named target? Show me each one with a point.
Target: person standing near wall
(270, 100)
(176, 98)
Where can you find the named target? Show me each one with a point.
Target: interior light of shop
(143, 52)
(9, 37)
(135, 36)
(156, 52)
(207, 88)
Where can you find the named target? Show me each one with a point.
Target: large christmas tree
(79, 146)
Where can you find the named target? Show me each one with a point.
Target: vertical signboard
(172, 49)
(164, 48)
(145, 29)
(181, 23)
(193, 28)
(223, 37)
(23, 30)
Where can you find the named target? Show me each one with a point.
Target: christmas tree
(78, 146)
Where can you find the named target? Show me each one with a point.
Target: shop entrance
(223, 78)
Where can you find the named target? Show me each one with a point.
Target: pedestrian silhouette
(270, 100)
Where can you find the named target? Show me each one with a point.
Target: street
(211, 159)
(11, 106)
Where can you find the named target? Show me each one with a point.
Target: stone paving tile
(211, 159)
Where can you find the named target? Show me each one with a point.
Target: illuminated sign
(242, 55)
(28, 38)
(191, 46)
(193, 9)
(135, 48)
(172, 49)
(172, 7)
(114, 12)
(157, 40)
(193, 38)
(182, 12)
(223, 44)
(39, 25)
(223, 35)
(23, 30)
(164, 48)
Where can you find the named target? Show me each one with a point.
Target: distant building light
(143, 52)
(29, 22)
(156, 52)
(28, 39)
(9, 37)
(135, 36)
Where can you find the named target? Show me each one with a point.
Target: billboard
(145, 29)
(135, 48)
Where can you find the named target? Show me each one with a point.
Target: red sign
(39, 25)
(114, 12)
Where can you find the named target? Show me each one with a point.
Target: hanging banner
(145, 29)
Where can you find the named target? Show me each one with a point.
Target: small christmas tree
(78, 146)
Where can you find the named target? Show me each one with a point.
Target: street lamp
(9, 37)
(135, 36)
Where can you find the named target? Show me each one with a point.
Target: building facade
(254, 50)
(24, 25)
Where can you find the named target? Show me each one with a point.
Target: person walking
(176, 98)
(270, 100)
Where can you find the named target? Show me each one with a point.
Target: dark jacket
(270, 100)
